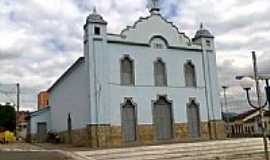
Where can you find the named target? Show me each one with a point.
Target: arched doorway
(129, 121)
(162, 115)
(193, 114)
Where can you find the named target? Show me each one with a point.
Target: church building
(149, 84)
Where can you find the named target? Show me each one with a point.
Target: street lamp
(246, 83)
(266, 78)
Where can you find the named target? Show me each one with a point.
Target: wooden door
(162, 119)
(193, 120)
(129, 122)
(42, 132)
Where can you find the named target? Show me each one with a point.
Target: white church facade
(148, 84)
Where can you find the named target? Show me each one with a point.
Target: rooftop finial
(201, 26)
(95, 10)
(153, 5)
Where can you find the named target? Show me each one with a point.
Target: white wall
(110, 94)
(144, 90)
(70, 96)
(40, 117)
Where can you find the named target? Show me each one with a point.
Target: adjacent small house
(247, 124)
(22, 124)
(40, 124)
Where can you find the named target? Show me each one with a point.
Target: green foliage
(7, 117)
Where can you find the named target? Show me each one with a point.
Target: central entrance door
(129, 122)
(162, 113)
(193, 114)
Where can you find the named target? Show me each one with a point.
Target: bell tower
(95, 35)
(205, 38)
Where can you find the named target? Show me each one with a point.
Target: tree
(7, 117)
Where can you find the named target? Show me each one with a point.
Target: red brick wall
(43, 100)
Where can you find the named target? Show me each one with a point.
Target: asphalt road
(32, 156)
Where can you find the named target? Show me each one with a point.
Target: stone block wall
(99, 135)
(105, 135)
(79, 137)
(145, 134)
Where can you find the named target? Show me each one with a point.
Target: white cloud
(40, 39)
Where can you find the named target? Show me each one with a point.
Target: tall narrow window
(208, 43)
(160, 73)
(97, 31)
(127, 71)
(190, 75)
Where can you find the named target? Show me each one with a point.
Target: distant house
(248, 124)
(22, 124)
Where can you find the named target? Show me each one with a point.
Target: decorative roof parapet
(141, 19)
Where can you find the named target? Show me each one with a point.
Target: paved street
(237, 149)
(240, 149)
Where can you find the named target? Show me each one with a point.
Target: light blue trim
(37, 113)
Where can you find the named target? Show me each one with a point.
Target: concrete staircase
(240, 149)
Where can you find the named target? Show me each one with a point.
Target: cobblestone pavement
(237, 149)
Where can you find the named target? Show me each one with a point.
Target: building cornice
(148, 45)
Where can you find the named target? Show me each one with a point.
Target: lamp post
(266, 78)
(226, 118)
(225, 97)
(246, 83)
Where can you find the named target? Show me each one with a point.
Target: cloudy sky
(39, 39)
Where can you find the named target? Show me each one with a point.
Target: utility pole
(260, 104)
(18, 96)
(18, 105)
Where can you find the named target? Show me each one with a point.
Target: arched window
(190, 75)
(160, 73)
(127, 71)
